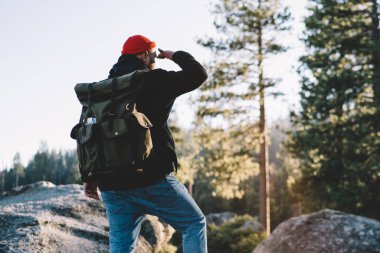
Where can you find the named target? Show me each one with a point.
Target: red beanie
(137, 44)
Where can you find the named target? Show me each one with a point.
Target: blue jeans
(167, 199)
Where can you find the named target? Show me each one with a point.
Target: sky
(48, 46)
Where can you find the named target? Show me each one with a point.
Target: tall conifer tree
(235, 95)
(338, 129)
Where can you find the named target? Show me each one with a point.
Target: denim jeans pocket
(113, 201)
(165, 192)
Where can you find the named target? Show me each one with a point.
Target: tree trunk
(264, 164)
(376, 63)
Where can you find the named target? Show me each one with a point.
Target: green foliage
(226, 159)
(233, 236)
(284, 202)
(337, 130)
(284, 171)
(198, 159)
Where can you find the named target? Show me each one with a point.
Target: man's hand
(165, 54)
(91, 190)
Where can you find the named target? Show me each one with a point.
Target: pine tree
(338, 129)
(248, 35)
(18, 168)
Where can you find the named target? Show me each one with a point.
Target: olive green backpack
(112, 136)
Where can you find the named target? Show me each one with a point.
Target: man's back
(160, 89)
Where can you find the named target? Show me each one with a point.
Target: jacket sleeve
(176, 83)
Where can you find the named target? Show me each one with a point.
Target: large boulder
(43, 217)
(326, 231)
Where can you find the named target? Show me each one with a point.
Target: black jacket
(160, 89)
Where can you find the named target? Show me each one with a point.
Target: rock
(156, 232)
(219, 218)
(252, 225)
(43, 217)
(326, 231)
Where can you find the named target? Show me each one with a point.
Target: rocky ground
(43, 217)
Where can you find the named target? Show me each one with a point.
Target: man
(155, 190)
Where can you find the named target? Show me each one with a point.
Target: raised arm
(176, 83)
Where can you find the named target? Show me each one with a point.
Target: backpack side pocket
(143, 141)
(89, 150)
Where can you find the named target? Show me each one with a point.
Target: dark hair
(126, 63)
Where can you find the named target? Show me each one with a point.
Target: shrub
(232, 237)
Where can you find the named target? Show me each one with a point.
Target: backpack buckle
(110, 114)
